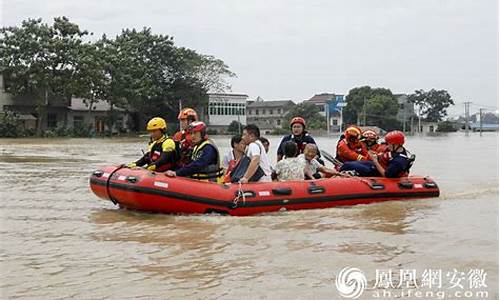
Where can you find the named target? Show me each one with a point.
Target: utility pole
(467, 105)
(327, 112)
(364, 111)
(481, 122)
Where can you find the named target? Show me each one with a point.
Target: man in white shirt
(257, 154)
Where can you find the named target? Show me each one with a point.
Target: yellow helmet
(156, 123)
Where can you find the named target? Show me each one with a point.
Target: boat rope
(115, 202)
(239, 195)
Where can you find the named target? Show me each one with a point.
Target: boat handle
(406, 185)
(282, 191)
(316, 189)
(131, 179)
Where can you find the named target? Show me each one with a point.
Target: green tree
(431, 105)
(310, 113)
(371, 106)
(40, 60)
(234, 128)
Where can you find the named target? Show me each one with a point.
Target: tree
(371, 106)
(431, 105)
(234, 127)
(40, 60)
(310, 113)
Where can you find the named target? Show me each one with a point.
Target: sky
(294, 49)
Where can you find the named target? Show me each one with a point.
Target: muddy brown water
(59, 241)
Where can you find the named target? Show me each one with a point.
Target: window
(278, 122)
(51, 120)
(431, 128)
(249, 112)
(77, 121)
(401, 106)
(322, 108)
(270, 111)
(257, 111)
(279, 111)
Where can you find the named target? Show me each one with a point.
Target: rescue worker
(205, 160)
(299, 135)
(393, 163)
(370, 139)
(350, 148)
(161, 154)
(182, 137)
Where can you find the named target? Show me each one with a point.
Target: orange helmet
(352, 133)
(299, 120)
(186, 113)
(370, 134)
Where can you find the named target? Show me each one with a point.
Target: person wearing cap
(205, 160)
(161, 154)
(186, 116)
(349, 148)
(393, 163)
(370, 139)
(299, 136)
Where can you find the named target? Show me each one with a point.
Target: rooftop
(275, 103)
(322, 98)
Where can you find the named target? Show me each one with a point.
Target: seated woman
(313, 168)
(291, 167)
(393, 163)
(205, 161)
(162, 153)
(231, 158)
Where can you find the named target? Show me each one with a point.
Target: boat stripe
(276, 202)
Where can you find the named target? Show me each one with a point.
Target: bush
(8, 125)
(81, 130)
(212, 131)
(446, 126)
(281, 131)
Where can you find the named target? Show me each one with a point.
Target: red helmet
(395, 137)
(352, 132)
(198, 126)
(187, 112)
(299, 120)
(370, 134)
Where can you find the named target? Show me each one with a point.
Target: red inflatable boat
(143, 190)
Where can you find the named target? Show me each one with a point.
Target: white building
(226, 108)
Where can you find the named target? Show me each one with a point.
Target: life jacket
(212, 172)
(155, 150)
(385, 158)
(350, 152)
(183, 139)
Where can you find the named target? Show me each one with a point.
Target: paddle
(330, 158)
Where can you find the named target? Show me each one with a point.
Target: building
(80, 113)
(406, 112)
(268, 115)
(226, 108)
(60, 112)
(330, 105)
(428, 127)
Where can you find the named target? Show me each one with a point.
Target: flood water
(60, 241)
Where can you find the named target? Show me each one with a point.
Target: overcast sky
(294, 49)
